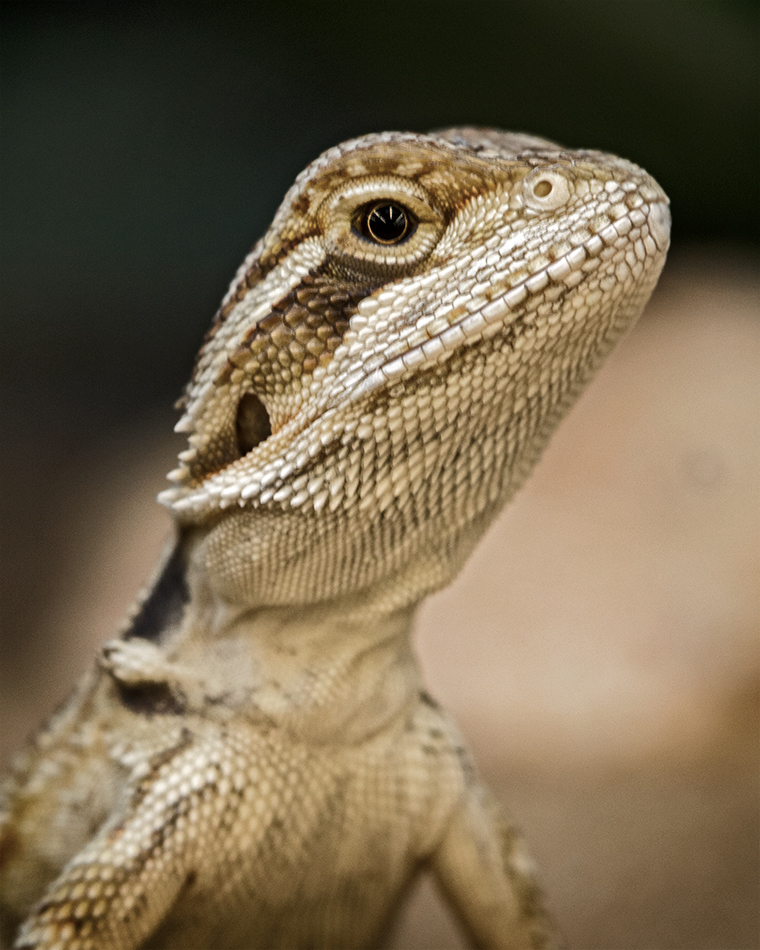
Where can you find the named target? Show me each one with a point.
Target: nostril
(252, 424)
(542, 188)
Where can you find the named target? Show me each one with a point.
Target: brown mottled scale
(302, 332)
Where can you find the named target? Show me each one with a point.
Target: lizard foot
(137, 662)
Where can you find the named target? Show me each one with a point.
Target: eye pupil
(542, 188)
(387, 223)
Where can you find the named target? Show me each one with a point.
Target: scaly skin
(254, 762)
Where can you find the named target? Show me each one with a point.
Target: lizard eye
(376, 225)
(385, 222)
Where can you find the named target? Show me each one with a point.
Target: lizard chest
(289, 846)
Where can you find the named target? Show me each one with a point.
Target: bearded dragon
(254, 762)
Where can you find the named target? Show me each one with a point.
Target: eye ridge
(385, 222)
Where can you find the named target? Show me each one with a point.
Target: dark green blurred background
(145, 148)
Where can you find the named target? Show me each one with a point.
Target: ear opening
(252, 423)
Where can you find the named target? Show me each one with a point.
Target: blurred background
(601, 649)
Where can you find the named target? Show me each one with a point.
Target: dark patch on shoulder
(152, 699)
(165, 604)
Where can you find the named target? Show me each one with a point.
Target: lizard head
(394, 353)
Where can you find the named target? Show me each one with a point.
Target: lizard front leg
(211, 845)
(138, 662)
(118, 887)
(198, 823)
(487, 876)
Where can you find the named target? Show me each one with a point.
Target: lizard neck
(337, 670)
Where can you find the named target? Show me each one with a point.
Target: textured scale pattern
(254, 762)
